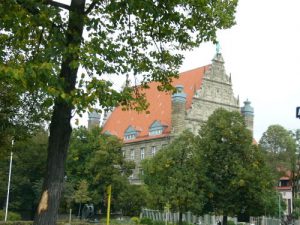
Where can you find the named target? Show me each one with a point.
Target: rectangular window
(142, 153)
(153, 150)
(155, 132)
(129, 137)
(141, 172)
(132, 154)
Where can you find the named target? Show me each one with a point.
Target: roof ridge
(186, 71)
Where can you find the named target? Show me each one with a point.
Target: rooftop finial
(218, 48)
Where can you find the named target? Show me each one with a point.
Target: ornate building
(199, 93)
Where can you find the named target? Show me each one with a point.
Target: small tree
(81, 195)
(280, 147)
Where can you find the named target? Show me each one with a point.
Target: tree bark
(180, 218)
(224, 220)
(60, 128)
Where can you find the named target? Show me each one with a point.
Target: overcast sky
(262, 52)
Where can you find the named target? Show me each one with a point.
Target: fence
(187, 217)
(207, 219)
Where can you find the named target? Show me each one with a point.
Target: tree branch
(91, 7)
(31, 10)
(58, 4)
(35, 10)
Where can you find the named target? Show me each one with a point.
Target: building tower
(178, 110)
(93, 119)
(248, 113)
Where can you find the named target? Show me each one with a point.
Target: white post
(70, 216)
(8, 185)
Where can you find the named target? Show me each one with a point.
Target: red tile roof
(285, 188)
(160, 107)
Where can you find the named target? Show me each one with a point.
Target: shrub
(136, 220)
(11, 216)
(146, 221)
(230, 222)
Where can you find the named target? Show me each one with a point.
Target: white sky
(262, 53)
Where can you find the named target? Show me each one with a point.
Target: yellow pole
(108, 190)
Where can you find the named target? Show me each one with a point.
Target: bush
(146, 221)
(159, 222)
(11, 216)
(136, 220)
(230, 222)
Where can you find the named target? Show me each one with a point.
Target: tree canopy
(97, 158)
(121, 37)
(240, 181)
(175, 176)
(277, 140)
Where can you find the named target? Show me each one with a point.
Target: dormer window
(156, 128)
(130, 133)
(155, 132)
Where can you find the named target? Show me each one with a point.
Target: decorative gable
(156, 128)
(130, 133)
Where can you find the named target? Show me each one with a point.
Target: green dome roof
(247, 109)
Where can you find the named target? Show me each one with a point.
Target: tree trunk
(224, 220)
(180, 218)
(60, 128)
(79, 211)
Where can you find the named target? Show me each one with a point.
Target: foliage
(146, 220)
(176, 177)
(28, 168)
(135, 220)
(123, 38)
(132, 199)
(280, 146)
(98, 158)
(67, 196)
(276, 140)
(230, 222)
(239, 179)
(81, 194)
(20, 114)
(11, 216)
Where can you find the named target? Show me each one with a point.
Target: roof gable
(156, 125)
(130, 130)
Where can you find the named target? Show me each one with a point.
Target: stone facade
(137, 151)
